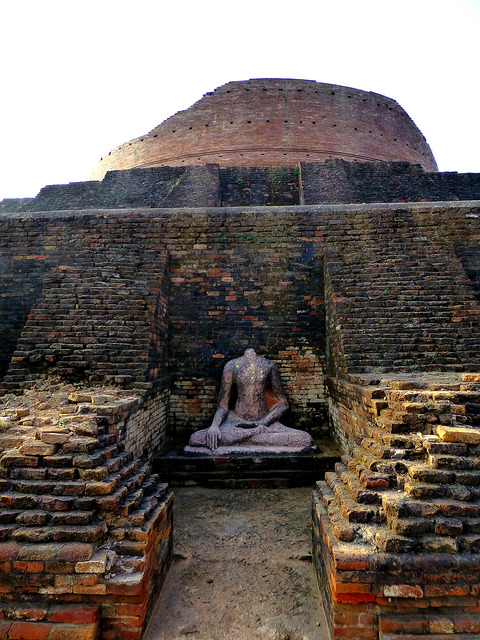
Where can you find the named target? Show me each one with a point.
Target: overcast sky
(81, 77)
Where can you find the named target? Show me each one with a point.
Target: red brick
(446, 590)
(87, 580)
(76, 615)
(28, 567)
(126, 589)
(128, 634)
(28, 614)
(9, 550)
(443, 625)
(467, 624)
(129, 622)
(59, 567)
(132, 609)
(403, 625)
(353, 598)
(351, 587)
(402, 591)
(5, 567)
(29, 631)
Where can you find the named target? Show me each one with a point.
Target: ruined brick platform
(248, 450)
(396, 527)
(85, 527)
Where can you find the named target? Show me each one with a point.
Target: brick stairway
(80, 515)
(396, 525)
(422, 445)
(405, 498)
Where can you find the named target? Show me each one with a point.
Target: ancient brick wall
(155, 187)
(395, 527)
(254, 277)
(71, 488)
(336, 181)
(20, 285)
(249, 279)
(103, 318)
(235, 281)
(146, 427)
(269, 122)
(330, 182)
(398, 296)
(259, 186)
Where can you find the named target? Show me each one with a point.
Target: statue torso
(252, 378)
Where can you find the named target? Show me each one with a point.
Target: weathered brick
(73, 632)
(75, 614)
(29, 631)
(402, 591)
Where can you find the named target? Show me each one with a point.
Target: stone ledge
(259, 467)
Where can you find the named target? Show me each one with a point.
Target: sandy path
(242, 569)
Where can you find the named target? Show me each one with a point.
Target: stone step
(379, 449)
(351, 511)
(342, 529)
(65, 533)
(357, 493)
(444, 461)
(439, 447)
(147, 506)
(468, 479)
(426, 491)
(374, 472)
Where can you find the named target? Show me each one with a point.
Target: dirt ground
(242, 568)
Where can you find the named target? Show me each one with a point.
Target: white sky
(81, 77)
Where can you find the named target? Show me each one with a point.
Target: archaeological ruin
(308, 222)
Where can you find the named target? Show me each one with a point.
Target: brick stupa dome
(268, 122)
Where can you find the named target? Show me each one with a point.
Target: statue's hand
(213, 436)
(261, 427)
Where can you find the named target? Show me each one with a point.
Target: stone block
(459, 434)
(37, 448)
(29, 631)
(100, 562)
(402, 591)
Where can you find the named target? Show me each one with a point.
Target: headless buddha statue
(252, 421)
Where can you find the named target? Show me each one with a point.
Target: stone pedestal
(250, 467)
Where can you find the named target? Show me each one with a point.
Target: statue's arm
(213, 432)
(281, 404)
